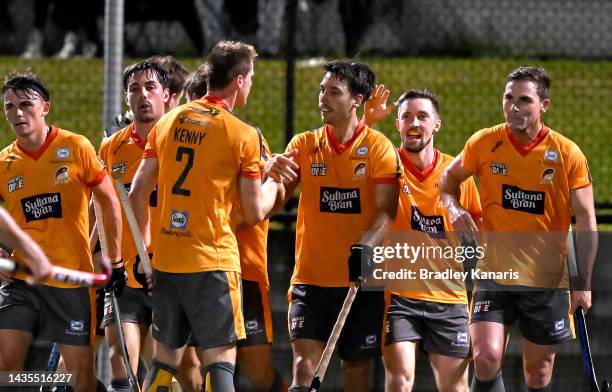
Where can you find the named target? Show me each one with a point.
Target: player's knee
(219, 377)
(303, 369)
(487, 363)
(399, 382)
(159, 378)
(537, 377)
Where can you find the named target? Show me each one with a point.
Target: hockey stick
(317, 379)
(60, 274)
(54, 358)
(124, 353)
(583, 334)
(131, 218)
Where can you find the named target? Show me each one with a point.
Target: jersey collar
(420, 175)
(338, 147)
(41, 150)
(217, 101)
(524, 150)
(140, 142)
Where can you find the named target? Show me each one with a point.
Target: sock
(278, 385)
(494, 385)
(119, 385)
(544, 389)
(159, 378)
(219, 377)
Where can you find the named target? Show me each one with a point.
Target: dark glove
(117, 281)
(360, 261)
(141, 277)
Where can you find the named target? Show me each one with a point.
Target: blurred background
(461, 49)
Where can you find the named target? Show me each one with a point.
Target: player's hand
(141, 276)
(360, 262)
(282, 168)
(463, 223)
(580, 298)
(376, 108)
(118, 280)
(39, 271)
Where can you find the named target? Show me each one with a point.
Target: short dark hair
(359, 78)
(26, 81)
(226, 60)
(195, 85)
(532, 74)
(146, 65)
(177, 74)
(419, 93)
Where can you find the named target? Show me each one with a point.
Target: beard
(143, 117)
(417, 147)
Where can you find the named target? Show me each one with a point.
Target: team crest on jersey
(340, 200)
(62, 153)
(318, 169)
(362, 151)
(515, 198)
(551, 155)
(405, 188)
(179, 219)
(359, 170)
(499, 168)
(120, 167)
(43, 206)
(548, 175)
(61, 175)
(433, 225)
(15, 183)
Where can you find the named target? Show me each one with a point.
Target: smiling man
(531, 180)
(348, 174)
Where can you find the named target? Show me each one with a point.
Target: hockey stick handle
(124, 352)
(60, 274)
(321, 369)
(131, 218)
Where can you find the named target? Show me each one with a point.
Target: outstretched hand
(376, 108)
(282, 168)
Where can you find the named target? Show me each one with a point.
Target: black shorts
(99, 311)
(543, 315)
(61, 315)
(313, 311)
(134, 304)
(205, 305)
(257, 313)
(442, 328)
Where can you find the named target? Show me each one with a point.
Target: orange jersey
(202, 149)
(337, 202)
(421, 209)
(122, 153)
(526, 189)
(47, 193)
(253, 243)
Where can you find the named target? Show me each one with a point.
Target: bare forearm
(111, 214)
(586, 248)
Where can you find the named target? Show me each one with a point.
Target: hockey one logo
(340, 200)
(430, 224)
(318, 169)
(15, 183)
(37, 207)
(515, 198)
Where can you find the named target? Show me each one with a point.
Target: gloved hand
(360, 261)
(140, 275)
(117, 281)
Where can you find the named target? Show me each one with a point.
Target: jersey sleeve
(469, 155)
(103, 151)
(387, 166)
(249, 149)
(578, 172)
(150, 150)
(470, 199)
(297, 143)
(92, 170)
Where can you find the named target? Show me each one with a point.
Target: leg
(357, 375)
(306, 356)
(538, 363)
(188, 372)
(488, 347)
(131, 332)
(163, 368)
(256, 362)
(14, 346)
(451, 373)
(80, 361)
(399, 359)
(218, 368)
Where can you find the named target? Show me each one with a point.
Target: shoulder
(308, 138)
(564, 144)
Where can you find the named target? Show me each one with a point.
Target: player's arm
(450, 193)
(142, 185)
(586, 241)
(14, 238)
(111, 215)
(387, 197)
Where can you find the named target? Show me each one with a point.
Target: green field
(469, 89)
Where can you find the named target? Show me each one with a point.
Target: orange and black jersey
(202, 149)
(47, 193)
(122, 153)
(337, 202)
(526, 189)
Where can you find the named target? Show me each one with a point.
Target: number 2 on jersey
(176, 188)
